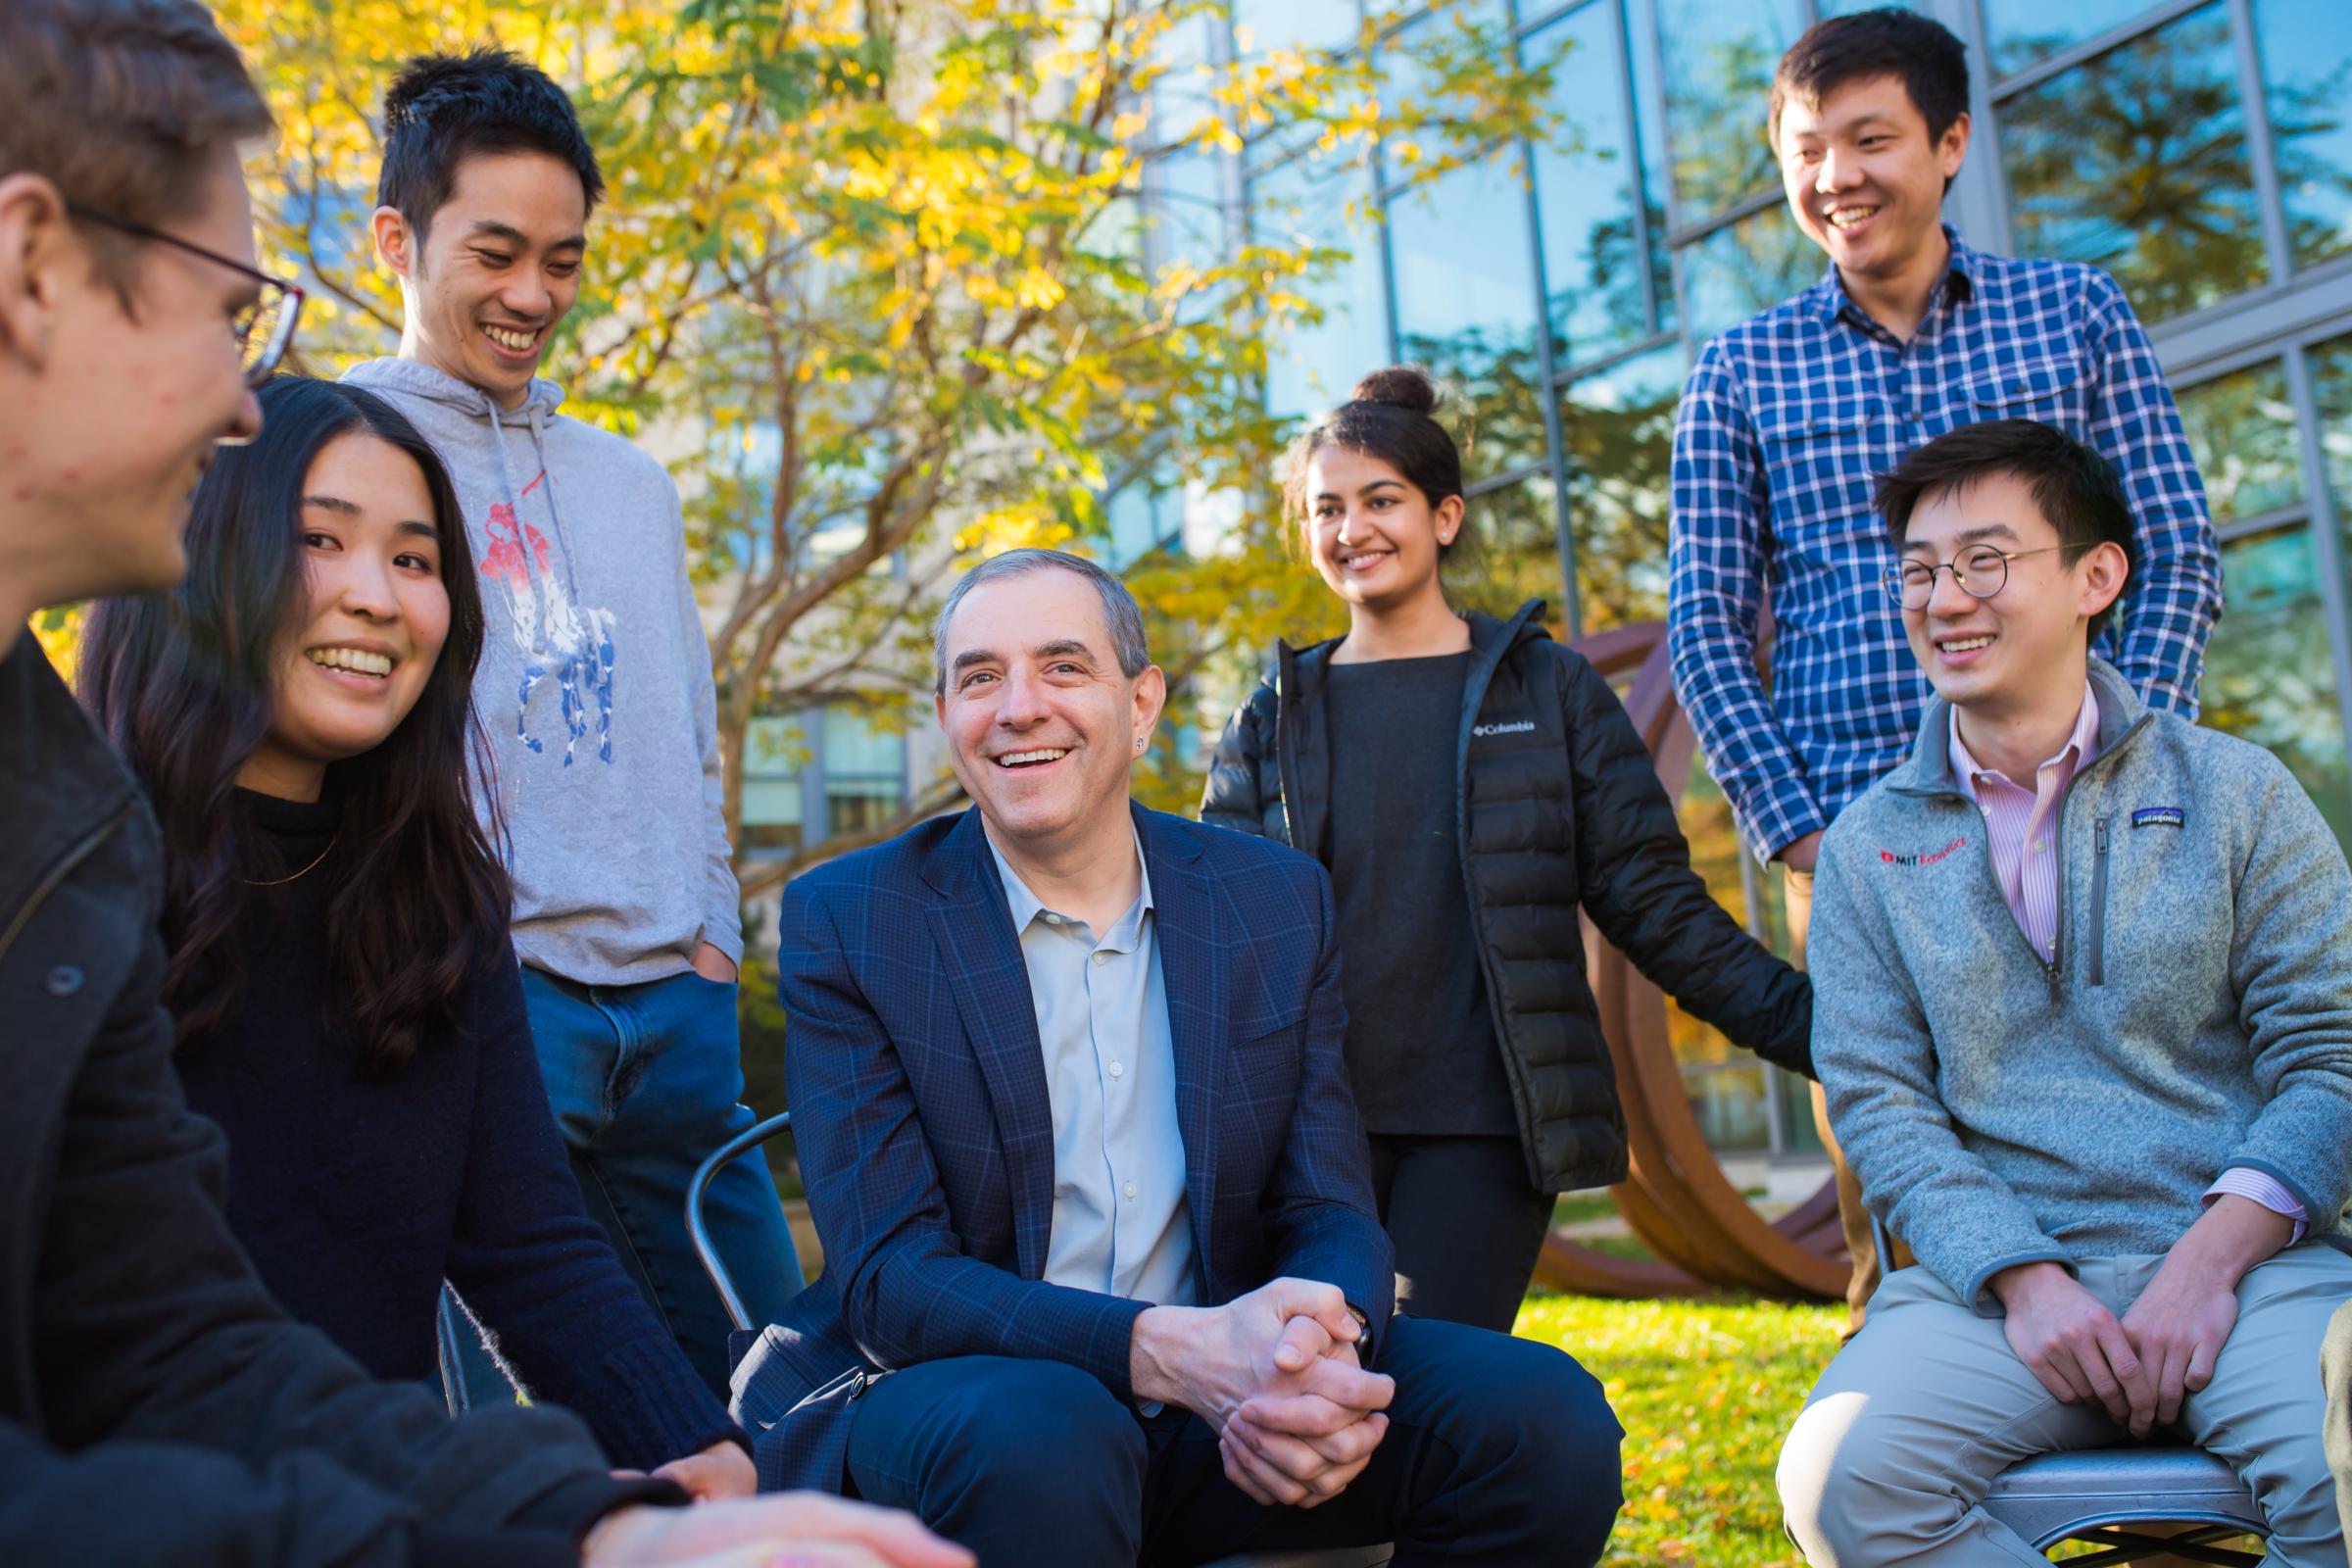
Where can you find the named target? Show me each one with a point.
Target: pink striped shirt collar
(2081, 747)
(2021, 821)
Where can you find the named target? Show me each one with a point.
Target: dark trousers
(1465, 1224)
(1498, 1451)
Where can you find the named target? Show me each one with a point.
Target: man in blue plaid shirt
(1787, 418)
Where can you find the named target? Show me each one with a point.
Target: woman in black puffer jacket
(1470, 785)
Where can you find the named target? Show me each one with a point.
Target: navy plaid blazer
(924, 1132)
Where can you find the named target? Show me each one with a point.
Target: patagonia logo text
(1517, 726)
(2159, 816)
(1892, 858)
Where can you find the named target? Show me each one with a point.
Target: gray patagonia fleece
(2198, 1014)
(594, 687)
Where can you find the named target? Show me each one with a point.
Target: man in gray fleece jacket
(594, 688)
(2084, 1011)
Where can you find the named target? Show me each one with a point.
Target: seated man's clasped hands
(2085, 1018)
(1104, 1280)
(1277, 1373)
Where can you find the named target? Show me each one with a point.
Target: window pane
(2242, 428)
(1749, 266)
(1618, 430)
(1143, 517)
(1459, 32)
(1514, 551)
(2307, 71)
(1718, 59)
(2331, 382)
(1301, 203)
(1185, 196)
(856, 803)
(2136, 162)
(1588, 196)
(773, 747)
(1466, 307)
(2026, 30)
(2269, 676)
(774, 751)
(1263, 24)
(853, 745)
(2331, 377)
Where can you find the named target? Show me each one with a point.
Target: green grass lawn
(1705, 1391)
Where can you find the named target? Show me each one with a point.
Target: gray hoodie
(594, 684)
(2001, 1109)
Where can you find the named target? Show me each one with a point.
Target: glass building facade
(2198, 150)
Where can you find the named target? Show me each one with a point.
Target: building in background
(2198, 150)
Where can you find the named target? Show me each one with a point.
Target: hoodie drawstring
(554, 516)
(506, 481)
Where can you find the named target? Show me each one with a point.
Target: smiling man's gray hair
(1120, 613)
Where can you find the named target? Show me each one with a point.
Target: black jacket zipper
(1286, 776)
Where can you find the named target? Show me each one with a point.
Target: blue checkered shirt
(1785, 423)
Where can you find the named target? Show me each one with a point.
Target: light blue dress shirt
(1121, 1223)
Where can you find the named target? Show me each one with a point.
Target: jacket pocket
(1823, 450)
(2049, 388)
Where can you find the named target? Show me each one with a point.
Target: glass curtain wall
(2198, 150)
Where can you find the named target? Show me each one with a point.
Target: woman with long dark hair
(348, 1007)
(1470, 785)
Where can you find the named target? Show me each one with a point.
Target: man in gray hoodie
(2083, 980)
(595, 690)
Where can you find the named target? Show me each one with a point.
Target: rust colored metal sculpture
(1675, 1198)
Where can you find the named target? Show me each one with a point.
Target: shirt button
(2042, 846)
(1117, 1071)
(1102, 959)
(62, 981)
(1130, 1190)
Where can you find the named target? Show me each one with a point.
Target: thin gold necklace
(305, 871)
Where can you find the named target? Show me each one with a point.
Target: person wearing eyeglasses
(157, 1405)
(1787, 416)
(2082, 1006)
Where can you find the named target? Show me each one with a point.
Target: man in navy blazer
(1104, 1280)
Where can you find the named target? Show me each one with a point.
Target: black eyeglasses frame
(280, 300)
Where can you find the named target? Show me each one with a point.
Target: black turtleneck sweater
(356, 1196)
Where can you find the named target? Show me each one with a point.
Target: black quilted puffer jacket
(1559, 807)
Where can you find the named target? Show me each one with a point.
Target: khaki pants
(1796, 898)
(2336, 1371)
(1906, 1432)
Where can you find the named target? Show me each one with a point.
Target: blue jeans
(645, 1081)
(1498, 1451)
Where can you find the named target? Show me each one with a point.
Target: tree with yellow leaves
(876, 274)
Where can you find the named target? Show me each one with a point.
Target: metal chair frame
(2092, 1495)
(707, 1251)
(698, 1230)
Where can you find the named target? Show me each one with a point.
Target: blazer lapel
(982, 955)
(1189, 923)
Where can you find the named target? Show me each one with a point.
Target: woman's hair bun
(1400, 386)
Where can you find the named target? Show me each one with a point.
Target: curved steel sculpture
(1675, 1198)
